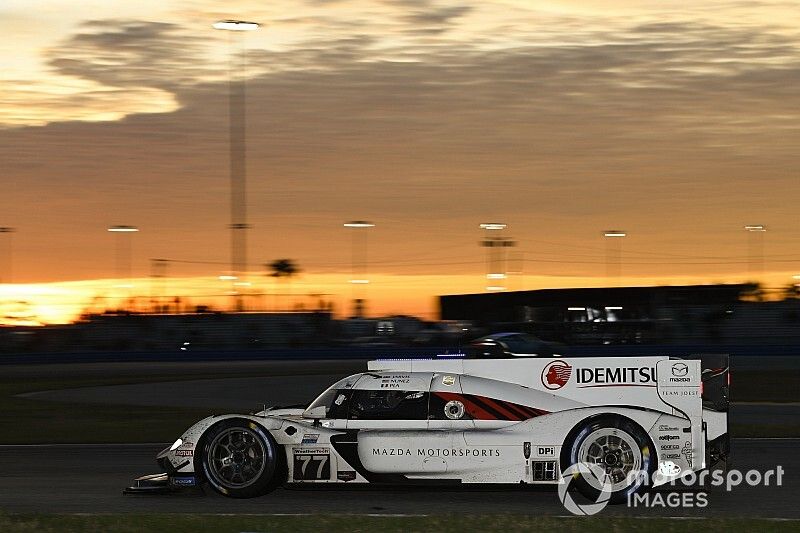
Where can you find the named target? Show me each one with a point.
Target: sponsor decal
(668, 437)
(526, 450)
(688, 451)
(690, 392)
(391, 451)
(346, 475)
(669, 447)
(664, 427)
(668, 468)
(680, 373)
(680, 369)
(546, 451)
(672, 456)
(624, 376)
(184, 481)
(437, 452)
(310, 438)
(317, 450)
(556, 374)
(448, 380)
(185, 450)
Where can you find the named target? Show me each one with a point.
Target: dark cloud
(435, 19)
(317, 54)
(130, 53)
(427, 17)
(660, 129)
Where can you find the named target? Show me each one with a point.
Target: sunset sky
(678, 123)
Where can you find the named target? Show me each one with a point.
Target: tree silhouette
(282, 269)
(791, 291)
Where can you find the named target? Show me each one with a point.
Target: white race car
(500, 421)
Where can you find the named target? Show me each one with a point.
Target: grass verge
(389, 524)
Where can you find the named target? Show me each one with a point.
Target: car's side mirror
(316, 413)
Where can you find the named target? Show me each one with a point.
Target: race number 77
(311, 467)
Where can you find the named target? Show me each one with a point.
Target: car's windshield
(325, 399)
(336, 396)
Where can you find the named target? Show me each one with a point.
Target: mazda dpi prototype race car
(518, 420)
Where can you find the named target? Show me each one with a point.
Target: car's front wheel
(239, 459)
(618, 456)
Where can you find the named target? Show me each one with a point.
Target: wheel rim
(237, 457)
(616, 453)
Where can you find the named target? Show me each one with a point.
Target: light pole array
(359, 278)
(613, 240)
(237, 160)
(5, 254)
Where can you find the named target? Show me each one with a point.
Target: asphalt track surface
(89, 479)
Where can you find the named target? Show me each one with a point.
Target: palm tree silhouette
(282, 269)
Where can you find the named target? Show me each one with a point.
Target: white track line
(410, 515)
(88, 445)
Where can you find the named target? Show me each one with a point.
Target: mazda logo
(680, 369)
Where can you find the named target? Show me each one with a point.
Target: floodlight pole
(359, 263)
(124, 256)
(496, 255)
(237, 160)
(6, 254)
(755, 250)
(614, 239)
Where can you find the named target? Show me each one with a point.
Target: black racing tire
(239, 459)
(619, 446)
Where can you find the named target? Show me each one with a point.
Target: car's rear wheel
(239, 459)
(619, 456)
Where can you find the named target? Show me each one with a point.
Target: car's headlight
(176, 444)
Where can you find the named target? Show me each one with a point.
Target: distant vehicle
(378, 341)
(515, 421)
(503, 345)
(199, 345)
